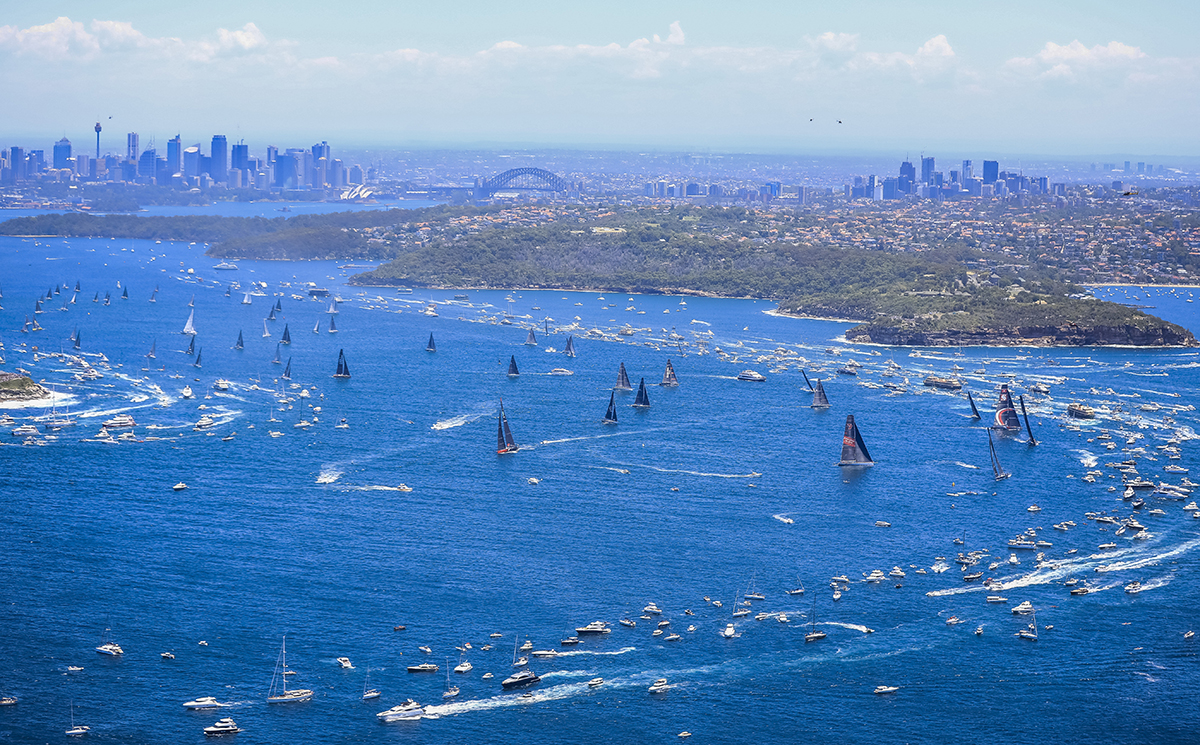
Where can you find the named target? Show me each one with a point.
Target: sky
(1096, 79)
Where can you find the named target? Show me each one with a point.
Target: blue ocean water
(306, 534)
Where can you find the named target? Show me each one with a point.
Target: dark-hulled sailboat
(820, 401)
(197, 362)
(669, 380)
(271, 317)
(974, 410)
(1006, 413)
(1028, 429)
(623, 383)
(278, 360)
(343, 370)
(504, 439)
(240, 344)
(76, 338)
(997, 470)
(642, 400)
(431, 347)
(332, 325)
(570, 350)
(610, 416)
(287, 371)
(854, 450)
(512, 366)
(191, 346)
(531, 340)
(287, 336)
(149, 354)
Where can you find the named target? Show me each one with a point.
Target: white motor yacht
(25, 430)
(464, 667)
(120, 421)
(221, 385)
(202, 703)
(425, 667)
(345, 663)
(659, 686)
(752, 376)
(595, 682)
(224, 726)
(729, 631)
(652, 609)
(595, 627)
(996, 599)
(110, 648)
(408, 710)
(187, 392)
(886, 689)
(1023, 609)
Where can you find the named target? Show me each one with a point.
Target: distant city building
(966, 174)
(240, 157)
(131, 146)
(62, 154)
(174, 156)
(219, 159)
(991, 171)
(191, 162)
(927, 170)
(146, 165)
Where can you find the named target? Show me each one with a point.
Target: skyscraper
(908, 175)
(240, 157)
(967, 173)
(16, 163)
(191, 161)
(62, 154)
(991, 171)
(147, 164)
(174, 156)
(927, 170)
(320, 151)
(131, 146)
(219, 159)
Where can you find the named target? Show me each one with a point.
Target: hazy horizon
(1076, 80)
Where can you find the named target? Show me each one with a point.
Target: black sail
(820, 401)
(192, 346)
(669, 380)
(1028, 429)
(287, 337)
(531, 340)
(512, 367)
(277, 359)
(570, 351)
(974, 411)
(431, 347)
(197, 362)
(240, 344)
(997, 470)
(854, 450)
(287, 372)
(343, 370)
(504, 439)
(642, 401)
(623, 383)
(610, 416)
(1006, 413)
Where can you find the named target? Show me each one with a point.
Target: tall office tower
(131, 146)
(16, 163)
(62, 154)
(356, 175)
(321, 172)
(337, 174)
(927, 170)
(286, 168)
(966, 174)
(174, 156)
(1141, 166)
(240, 157)
(219, 156)
(908, 175)
(147, 164)
(83, 164)
(272, 154)
(991, 171)
(191, 161)
(320, 151)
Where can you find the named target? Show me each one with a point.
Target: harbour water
(721, 486)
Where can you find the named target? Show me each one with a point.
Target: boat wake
(328, 475)
(1086, 459)
(456, 421)
(582, 652)
(750, 475)
(965, 465)
(541, 695)
(852, 626)
(783, 518)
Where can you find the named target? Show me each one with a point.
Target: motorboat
(8, 700)
(187, 392)
(544, 653)
(520, 679)
(202, 703)
(167, 656)
(672, 637)
(110, 648)
(629, 623)
(408, 710)
(953, 621)
(528, 645)
(595, 682)
(221, 384)
(570, 641)
(25, 430)
(203, 423)
(656, 632)
(659, 686)
(464, 667)
(1023, 609)
(996, 599)
(1133, 588)
(595, 627)
(752, 376)
(652, 609)
(120, 421)
(886, 689)
(224, 726)
(344, 662)
(424, 667)
(729, 631)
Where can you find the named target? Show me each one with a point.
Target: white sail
(189, 327)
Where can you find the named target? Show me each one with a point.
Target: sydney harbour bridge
(525, 178)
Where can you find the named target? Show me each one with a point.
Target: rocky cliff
(1162, 334)
(15, 387)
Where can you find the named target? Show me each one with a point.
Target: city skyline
(1100, 80)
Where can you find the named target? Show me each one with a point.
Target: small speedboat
(729, 631)
(595, 682)
(408, 710)
(425, 667)
(659, 686)
(886, 689)
(167, 656)
(180, 486)
(345, 663)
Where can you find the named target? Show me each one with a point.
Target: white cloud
(61, 37)
(674, 38)
(1075, 62)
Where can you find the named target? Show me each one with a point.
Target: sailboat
(431, 347)
(190, 326)
(287, 337)
(669, 380)
(96, 297)
(240, 344)
(368, 692)
(107, 298)
(641, 401)
(197, 362)
(191, 346)
(1030, 632)
(1006, 414)
(974, 410)
(504, 439)
(25, 328)
(192, 302)
(512, 366)
(74, 298)
(37, 306)
(153, 295)
(343, 370)
(610, 416)
(125, 294)
(1028, 429)
(451, 691)
(77, 286)
(814, 635)
(35, 328)
(77, 730)
(332, 308)
(854, 450)
(287, 371)
(229, 291)
(570, 350)
(271, 317)
(332, 325)
(317, 327)
(820, 401)
(279, 305)
(623, 383)
(279, 693)
(277, 360)
(153, 344)
(246, 299)
(997, 470)
(531, 340)
(266, 332)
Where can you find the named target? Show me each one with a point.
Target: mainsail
(277, 360)
(240, 344)
(192, 302)
(669, 380)
(997, 470)
(1028, 429)
(332, 308)
(192, 345)
(1006, 413)
(504, 438)
(820, 401)
(37, 306)
(287, 337)
(531, 340)
(332, 325)
(190, 326)
(197, 362)
(974, 410)
(623, 380)
(76, 336)
(266, 333)
(512, 368)
(155, 293)
(343, 370)
(642, 401)
(610, 416)
(287, 371)
(806, 380)
(125, 294)
(150, 354)
(271, 317)
(570, 350)
(279, 305)
(431, 347)
(854, 450)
